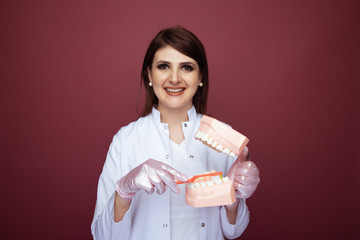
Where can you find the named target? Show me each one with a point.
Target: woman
(159, 148)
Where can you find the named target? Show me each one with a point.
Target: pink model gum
(221, 137)
(204, 195)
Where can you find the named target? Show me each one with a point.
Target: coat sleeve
(103, 225)
(231, 231)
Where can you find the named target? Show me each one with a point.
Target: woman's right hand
(148, 175)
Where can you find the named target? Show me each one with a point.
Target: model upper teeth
(199, 134)
(212, 142)
(174, 90)
(205, 137)
(226, 151)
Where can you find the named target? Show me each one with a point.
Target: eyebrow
(182, 63)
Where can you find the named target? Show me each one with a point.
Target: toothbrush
(193, 178)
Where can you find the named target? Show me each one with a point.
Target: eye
(163, 66)
(187, 68)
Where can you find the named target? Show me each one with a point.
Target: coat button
(165, 225)
(165, 127)
(167, 156)
(185, 125)
(202, 224)
(191, 156)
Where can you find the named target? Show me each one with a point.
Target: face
(175, 78)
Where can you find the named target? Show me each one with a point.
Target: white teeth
(209, 140)
(215, 177)
(212, 171)
(200, 134)
(211, 183)
(205, 137)
(197, 134)
(174, 90)
(226, 151)
(218, 181)
(207, 172)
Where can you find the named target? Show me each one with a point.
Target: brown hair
(188, 44)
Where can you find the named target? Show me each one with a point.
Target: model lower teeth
(210, 183)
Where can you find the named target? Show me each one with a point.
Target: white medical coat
(149, 214)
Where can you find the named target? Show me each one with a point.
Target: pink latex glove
(245, 175)
(148, 175)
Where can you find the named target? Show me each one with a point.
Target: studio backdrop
(284, 73)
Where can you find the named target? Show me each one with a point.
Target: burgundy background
(284, 73)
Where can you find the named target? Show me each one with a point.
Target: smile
(177, 90)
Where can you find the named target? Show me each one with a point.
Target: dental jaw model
(221, 137)
(211, 189)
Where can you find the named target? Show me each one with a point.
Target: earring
(201, 84)
(150, 84)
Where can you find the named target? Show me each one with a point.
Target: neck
(173, 116)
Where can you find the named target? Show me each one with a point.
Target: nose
(174, 78)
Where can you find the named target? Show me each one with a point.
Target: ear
(149, 74)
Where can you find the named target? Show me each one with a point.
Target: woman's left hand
(245, 175)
